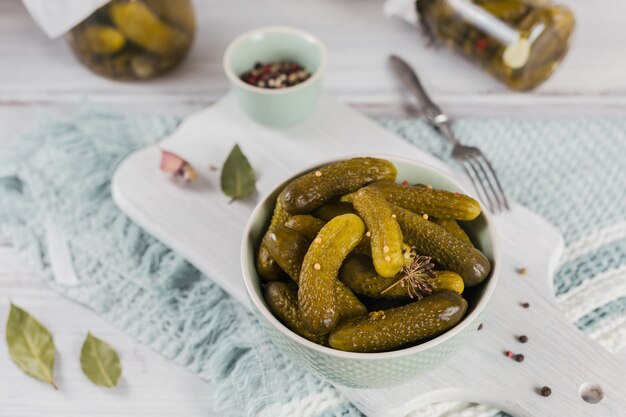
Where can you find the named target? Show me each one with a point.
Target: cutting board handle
(556, 354)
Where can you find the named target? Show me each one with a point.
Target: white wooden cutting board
(198, 222)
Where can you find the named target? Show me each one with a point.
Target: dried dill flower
(417, 276)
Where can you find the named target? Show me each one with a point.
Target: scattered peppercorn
(523, 339)
(276, 75)
(525, 305)
(521, 271)
(519, 357)
(508, 354)
(481, 43)
(480, 326)
(545, 391)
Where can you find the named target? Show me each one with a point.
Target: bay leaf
(100, 362)
(238, 179)
(30, 345)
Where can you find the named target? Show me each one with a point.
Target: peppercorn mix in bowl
(369, 271)
(276, 74)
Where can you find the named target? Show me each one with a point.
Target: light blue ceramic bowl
(373, 370)
(276, 108)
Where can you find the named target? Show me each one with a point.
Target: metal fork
(476, 165)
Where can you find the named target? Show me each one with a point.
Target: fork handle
(433, 113)
(446, 130)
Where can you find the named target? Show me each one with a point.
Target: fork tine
(485, 168)
(472, 163)
(500, 194)
(475, 179)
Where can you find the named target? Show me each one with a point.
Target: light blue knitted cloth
(573, 173)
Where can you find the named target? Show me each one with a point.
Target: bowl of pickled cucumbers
(370, 270)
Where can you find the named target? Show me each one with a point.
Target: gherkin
(423, 200)
(329, 210)
(310, 191)
(385, 233)
(288, 248)
(452, 226)
(446, 250)
(359, 275)
(266, 266)
(283, 302)
(305, 224)
(401, 326)
(317, 296)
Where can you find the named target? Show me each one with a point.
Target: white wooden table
(39, 74)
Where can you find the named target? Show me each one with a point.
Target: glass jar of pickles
(520, 42)
(134, 39)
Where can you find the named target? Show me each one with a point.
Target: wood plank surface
(39, 75)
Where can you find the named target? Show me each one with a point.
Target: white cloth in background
(55, 17)
(404, 9)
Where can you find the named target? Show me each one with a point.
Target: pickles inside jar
(134, 40)
(142, 26)
(520, 42)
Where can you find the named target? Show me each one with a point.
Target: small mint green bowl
(279, 108)
(373, 370)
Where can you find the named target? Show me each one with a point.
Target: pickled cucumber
(175, 12)
(446, 250)
(282, 301)
(386, 235)
(288, 248)
(317, 298)
(310, 191)
(266, 266)
(359, 275)
(101, 39)
(306, 225)
(448, 281)
(143, 27)
(422, 200)
(507, 10)
(330, 210)
(453, 228)
(397, 327)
